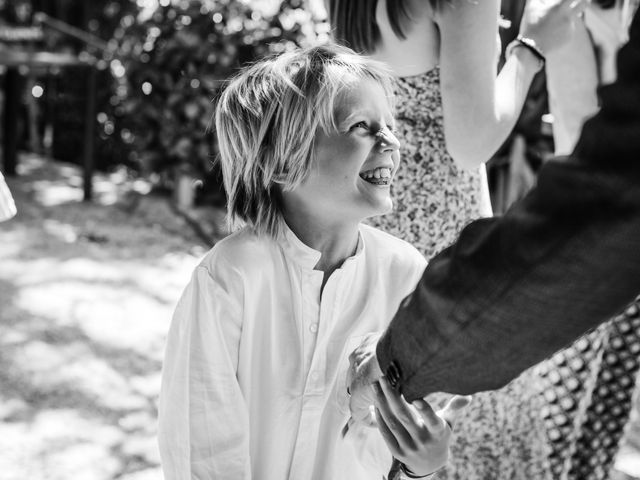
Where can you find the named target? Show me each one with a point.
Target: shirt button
(313, 328)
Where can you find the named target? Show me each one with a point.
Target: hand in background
(415, 434)
(550, 23)
(363, 371)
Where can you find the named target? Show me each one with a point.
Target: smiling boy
(254, 379)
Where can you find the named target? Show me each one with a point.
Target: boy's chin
(383, 210)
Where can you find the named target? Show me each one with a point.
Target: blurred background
(107, 148)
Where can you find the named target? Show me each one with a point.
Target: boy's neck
(336, 241)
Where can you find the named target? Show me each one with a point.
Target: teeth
(376, 173)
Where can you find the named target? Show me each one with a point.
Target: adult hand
(363, 371)
(415, 434)
(550, 23)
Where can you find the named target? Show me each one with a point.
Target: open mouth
(377, 176)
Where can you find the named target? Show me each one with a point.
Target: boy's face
(352, 169)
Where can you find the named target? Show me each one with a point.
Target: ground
(86, 296)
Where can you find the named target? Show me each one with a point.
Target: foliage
(174, 64)
(102, 19)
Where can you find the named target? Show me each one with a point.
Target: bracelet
(405, 470)
(530, 45)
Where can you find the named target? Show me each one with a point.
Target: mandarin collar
(308, 257)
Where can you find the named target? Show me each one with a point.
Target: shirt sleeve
(203, 429)
(368, 448)
(512, 290)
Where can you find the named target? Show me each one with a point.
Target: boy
(254, 381)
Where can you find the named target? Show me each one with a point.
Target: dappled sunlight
(128, 322)
(58, 185)
(60, 231)
(11, 245)
(48, 193)
(105, 289)
(60, 444)
(86, 297)
(113, 308)
(52, 370)
(67, 403)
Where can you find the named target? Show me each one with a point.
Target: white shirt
(254, 378)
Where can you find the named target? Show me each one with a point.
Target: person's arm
(203, 429)
(514, 289)
(409, 436)
(417, 436)
(572, 83)
(479, 108)
(608, 30)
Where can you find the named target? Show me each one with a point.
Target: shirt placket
(316, 322)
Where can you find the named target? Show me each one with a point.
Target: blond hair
(267, 119)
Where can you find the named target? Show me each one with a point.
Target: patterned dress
(559, 420)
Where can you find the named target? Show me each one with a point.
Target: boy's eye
(364, 125)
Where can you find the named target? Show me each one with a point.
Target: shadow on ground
(86, 295)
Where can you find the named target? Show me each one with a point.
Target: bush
(174, 64)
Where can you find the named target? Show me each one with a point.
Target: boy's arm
(203, 422)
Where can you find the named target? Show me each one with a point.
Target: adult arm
(480, 109)
(515, 289)
(203, 429)
(572, 83)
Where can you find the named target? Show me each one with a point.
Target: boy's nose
(387, 140)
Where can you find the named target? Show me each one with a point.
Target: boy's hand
(363, 371)
(415, 434)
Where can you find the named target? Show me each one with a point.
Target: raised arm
(203, 425)
(572, 83)
(480, 108)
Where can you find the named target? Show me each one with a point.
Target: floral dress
(561, 419)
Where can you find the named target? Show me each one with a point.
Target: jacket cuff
(389, 366)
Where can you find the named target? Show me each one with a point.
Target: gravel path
(86, 296)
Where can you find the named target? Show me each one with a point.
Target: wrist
(526, 46)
